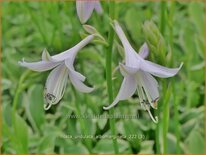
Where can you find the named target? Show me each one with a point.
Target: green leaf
(191, 114)
(130, 129)
(47, 144)
(21, 135)
(76, 149)
(36, 105)
(172, 142)
(147, 147)
(196, 12)
(102, 122)
(133, 24)
(90, 53)
(106, 146)
(7, 114)
(195, 143)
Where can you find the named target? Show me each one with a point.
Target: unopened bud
(154, 40)
(90, 29)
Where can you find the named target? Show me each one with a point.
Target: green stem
(166, 88)
(162, 22)
(18, 92)
(176, 117)
(157, 142)
(176, 114)
(166, 111)
(172, 7)
(162, 30)
(19, 89)
(109, 75)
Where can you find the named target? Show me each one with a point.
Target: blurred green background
(29, 27)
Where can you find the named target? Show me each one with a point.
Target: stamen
(155, 120)
(50, 98)
(154, 102)
(47, 106)
(145, 102)
(141, 97)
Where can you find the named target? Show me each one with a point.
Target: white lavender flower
(86, 7)
(62, 65)
(138, 73)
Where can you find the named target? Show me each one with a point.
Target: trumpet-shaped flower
(138, 73)
(86, 7)
(62, 65)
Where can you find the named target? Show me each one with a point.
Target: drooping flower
(138, 73)
(62, 65)
(86, 7)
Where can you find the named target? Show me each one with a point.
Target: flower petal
(56, 84)
(131, 57)
(121, 35)
(73, 72)
(84, 9)
(78, 83)
(158, 70)
(39, 66)
(98, 7)
(126, 70)
(71, 53)
(77, 79)
(127, 89)
(144, 51)
(46, 56)
(150, 87)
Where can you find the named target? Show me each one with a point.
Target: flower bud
(98, 38)
(154, 40)
(90, 29)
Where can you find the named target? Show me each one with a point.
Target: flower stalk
(109, 74)
(166, 90)
(175, 99)
(163, 12)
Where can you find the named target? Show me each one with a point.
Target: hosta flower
(86, 7)
(138, 73)
(62, 65)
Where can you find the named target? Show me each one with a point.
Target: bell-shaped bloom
(86, 7)
(138, 75)
(62, 65)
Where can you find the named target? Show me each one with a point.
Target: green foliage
(29, 27)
